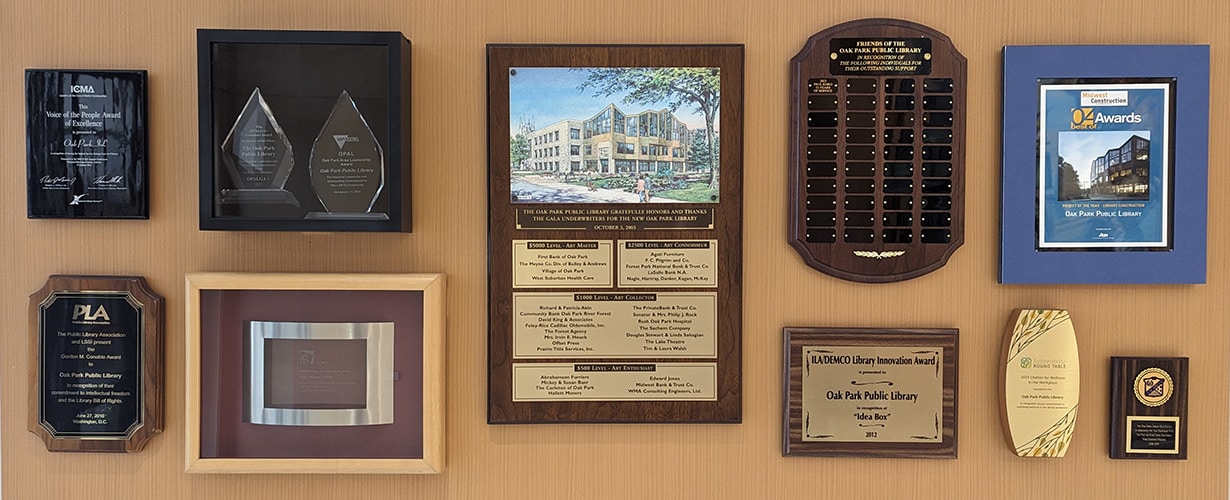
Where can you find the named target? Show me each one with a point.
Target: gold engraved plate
(875, 394)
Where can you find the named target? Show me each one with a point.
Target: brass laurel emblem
(879, 255)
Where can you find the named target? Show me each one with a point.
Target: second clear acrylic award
(347, 165)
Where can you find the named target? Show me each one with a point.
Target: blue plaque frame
(1021, 261)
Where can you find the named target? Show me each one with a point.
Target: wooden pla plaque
(877, 150)
(1148, 408)
(614, 233)
(96, 363)
(870, 392)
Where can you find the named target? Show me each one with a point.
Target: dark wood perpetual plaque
(96, 363)
(877, 150)
(1148, 408)
(614, 233)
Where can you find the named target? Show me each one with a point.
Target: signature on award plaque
(320, 373)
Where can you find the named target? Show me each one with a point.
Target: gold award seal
(1153, 387)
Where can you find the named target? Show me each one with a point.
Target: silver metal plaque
(319, 373)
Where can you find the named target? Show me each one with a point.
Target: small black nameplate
(90, 357)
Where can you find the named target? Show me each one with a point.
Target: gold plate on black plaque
(877, 155)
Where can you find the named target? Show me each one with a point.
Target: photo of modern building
(1122, 171)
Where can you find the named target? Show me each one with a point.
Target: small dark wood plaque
(877, 150)
(1148, 408)
(96, 363)
(614, 233)
(870, 392)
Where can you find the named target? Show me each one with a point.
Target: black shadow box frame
(301, 74)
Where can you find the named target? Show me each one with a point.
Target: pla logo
(1027, 362)
(342, 139)
(1153, 387)
(307, 356)
(88, 313)
(1083, 119)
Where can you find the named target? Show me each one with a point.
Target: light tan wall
(612, 461)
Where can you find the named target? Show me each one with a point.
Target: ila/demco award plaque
(98, 363)
(87, 148)
(615, 238)
(870, 392)
(1148, 405)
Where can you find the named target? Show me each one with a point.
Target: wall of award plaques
(901, 376)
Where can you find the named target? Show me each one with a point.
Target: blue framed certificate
(1105, 164)
(1104, 172)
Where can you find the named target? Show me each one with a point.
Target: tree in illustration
(519, 148)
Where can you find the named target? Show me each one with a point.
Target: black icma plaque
(86, 144)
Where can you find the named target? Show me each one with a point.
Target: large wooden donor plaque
(615, 233)
(877, 150)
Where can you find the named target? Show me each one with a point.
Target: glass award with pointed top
(346, 165)
(258, 158)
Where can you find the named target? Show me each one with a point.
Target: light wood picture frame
(219, 308)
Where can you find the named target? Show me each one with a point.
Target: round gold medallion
(1153, 387)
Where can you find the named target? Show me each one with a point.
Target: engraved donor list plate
(877, 150)
(97, 363)
(614, 233)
